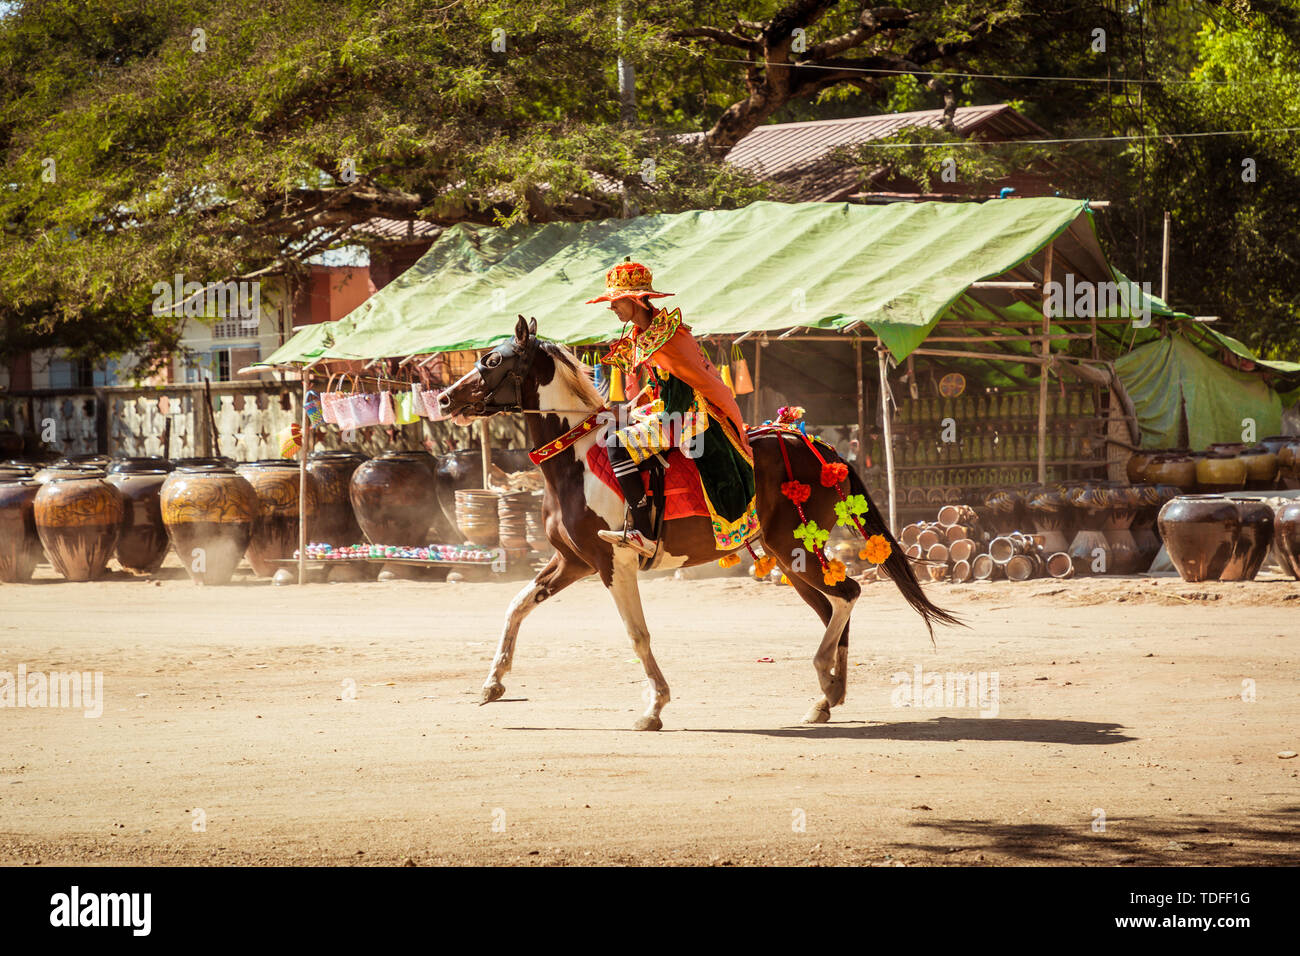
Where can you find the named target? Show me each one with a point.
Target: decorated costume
(692, 411)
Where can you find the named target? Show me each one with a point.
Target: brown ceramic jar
(142, 543)
(209, 513)
(276, 482)
(1254, 537)
(394, 497)
(336, 523)
(1220, 472)
(1200, 534)
(20, 544)
(78, 519)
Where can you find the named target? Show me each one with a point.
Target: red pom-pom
(833, 472)
(796, 491)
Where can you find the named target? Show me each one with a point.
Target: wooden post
(758, 378)
(862, 405)
(883, 354)
(1045, 347)
(1164, 263)
(302, 480)
(485, 439)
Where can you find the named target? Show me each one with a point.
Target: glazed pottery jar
(1286, 537)
(1274, 443)
(1173, 469)
(394, 497)
(142, 542)
(68, 470)
(149, 463)
(1136, 466)
(1200, 535)
(331, 472)
(275, 533)
(1288, 464)
(1261, 468)
(1254, 537)
(209, 513)
(78, 519)
(20, 544)
(1219, 472)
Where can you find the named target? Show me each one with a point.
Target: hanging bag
(387, 413)
(725, 368)
(742, 383)
(404, 408)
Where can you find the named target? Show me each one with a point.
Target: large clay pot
(1173, 469)
(1261, 468)
(1286, 537)
(1288, 464)
(1254, 537)
(209, 513)
(1219, 472)
(1275, 443)
(275, 533)
(1200, 534)
(142, 542)
(12, 471)
(1136, 466)
(20, 544)
(395, 498)
(331, 472)
(145, 463)
(68, 470)
(78, 519)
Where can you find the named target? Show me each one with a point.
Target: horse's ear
(532, 326)
(521, 329)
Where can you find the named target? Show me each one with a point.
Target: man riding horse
(693, 411)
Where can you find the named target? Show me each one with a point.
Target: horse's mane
(575, 374)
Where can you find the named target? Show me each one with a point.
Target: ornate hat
(628, 278)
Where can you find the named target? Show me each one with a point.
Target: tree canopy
(144, 138)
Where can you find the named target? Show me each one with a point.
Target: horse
(554, 390)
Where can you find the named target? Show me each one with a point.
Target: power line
(1001, 76)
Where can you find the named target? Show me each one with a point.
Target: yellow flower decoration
(835, 572)
(729, 560)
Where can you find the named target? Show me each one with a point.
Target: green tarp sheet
(1171, 380)
(768, 266)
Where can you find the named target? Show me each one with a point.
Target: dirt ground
(339, 724)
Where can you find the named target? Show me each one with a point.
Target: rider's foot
(631, 539)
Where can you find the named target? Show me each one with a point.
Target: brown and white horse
(530, 375)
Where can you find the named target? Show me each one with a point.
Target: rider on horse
(693, 410)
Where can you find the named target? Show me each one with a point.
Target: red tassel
(833, 472)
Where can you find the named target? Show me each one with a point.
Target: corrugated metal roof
(798, 153)
(396, 230)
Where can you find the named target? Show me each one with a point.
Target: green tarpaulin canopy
(1171, 380)
(769, 266)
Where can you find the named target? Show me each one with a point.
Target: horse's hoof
(648, 723)
(492, 692)
(819, 714)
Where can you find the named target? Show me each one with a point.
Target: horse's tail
(897, 567)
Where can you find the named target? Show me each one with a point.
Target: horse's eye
(493, 360)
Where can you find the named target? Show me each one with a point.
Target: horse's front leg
(627, 598)
(558, 574)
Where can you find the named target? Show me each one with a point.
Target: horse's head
(497, 381)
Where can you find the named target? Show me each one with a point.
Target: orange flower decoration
(764, 565)
(877, 549)
(835, 572)
(796, 491)
(833, 472)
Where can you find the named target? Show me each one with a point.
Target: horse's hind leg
(834, 605)
(558, 574)
(627, 598)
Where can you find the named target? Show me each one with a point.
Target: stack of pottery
(1005, 510)
(395, 498)
(478, 516)
(142, 541)
(1117, 523)
(209, 512)
(1220, 471)
(1150, 498)
(1286, 537)
(1089, 550)
(1047, 508)
(331, 472)
(512, 520)
(78, 518)
(1215, 537)
(535, 527)
(20, 543)
(276, 483)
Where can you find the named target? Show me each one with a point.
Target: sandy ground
(1121, 733)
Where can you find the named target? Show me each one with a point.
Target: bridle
(514, 360)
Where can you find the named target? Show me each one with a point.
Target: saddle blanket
(683, 490)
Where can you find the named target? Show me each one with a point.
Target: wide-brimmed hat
(626, 279)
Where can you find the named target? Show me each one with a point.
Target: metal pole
(1045, 347)
(302, 481)
(882, 354)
